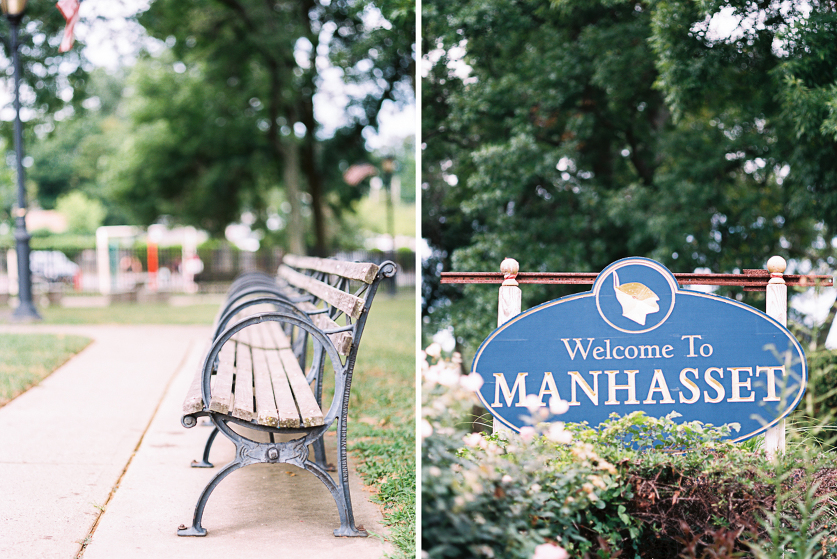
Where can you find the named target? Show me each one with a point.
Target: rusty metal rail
(750, 280)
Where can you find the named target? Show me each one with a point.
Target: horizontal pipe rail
(750, 280)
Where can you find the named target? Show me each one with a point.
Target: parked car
(52, 265)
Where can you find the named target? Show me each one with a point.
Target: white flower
(434, 471)
(431, 374)
(527, 433)
(426, 429)
(532, 403)
(433, 350)
(557, 434)
(449, 376)
(472, 382)
(535, 488)
(558, 406)
(473, 440)
(507, 479)
(549, 551)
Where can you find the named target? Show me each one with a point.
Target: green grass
(372, 216)
(132, 313)
(26, 359)
(382, 415)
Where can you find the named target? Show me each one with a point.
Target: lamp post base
(26, 312)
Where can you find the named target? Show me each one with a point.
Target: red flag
(68, 9)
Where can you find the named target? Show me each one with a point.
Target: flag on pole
(68, 9)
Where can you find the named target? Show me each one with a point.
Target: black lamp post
(13, 10)
(388, 167)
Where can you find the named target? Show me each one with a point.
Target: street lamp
(388, 168)
(13, 10)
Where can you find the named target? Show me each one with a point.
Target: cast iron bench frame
(309, 296)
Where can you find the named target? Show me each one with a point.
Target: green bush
(635, 487)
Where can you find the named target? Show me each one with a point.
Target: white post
(11, 265)
(777, 307)
(509, 302)
(103, 260)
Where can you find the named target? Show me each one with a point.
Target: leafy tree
(53, 85)
(571, 134)
(254, 67)
(84, 215)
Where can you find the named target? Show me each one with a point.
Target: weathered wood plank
(346, 302)
(342, 340)
(361, 271)
(266, 412)
(309, 411)
(244, 407)
(285, 406)
(221, 398)
(194, 400)
(276, 337)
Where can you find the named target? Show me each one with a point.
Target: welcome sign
(639, 342)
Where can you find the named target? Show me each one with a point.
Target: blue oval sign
(639, 342)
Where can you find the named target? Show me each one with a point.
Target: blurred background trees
(218, 110)
(569, 134)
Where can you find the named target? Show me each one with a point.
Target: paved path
(103, 433)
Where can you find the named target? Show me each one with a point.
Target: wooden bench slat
(277, 337)
(221, 398)
(243, 408)
(361, 271)
(266, 413)
(285, 406)
(346, 302)
(342, 340)
(194, 399)
(309, 410)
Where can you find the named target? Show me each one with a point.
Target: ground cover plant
(638, 487)
(382, 409)
(26, 359)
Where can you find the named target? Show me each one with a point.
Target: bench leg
(205, 463)
(340, 492)
(344, 503)
(320, 456)
(196, 529)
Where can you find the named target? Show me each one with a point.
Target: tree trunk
(822, 334)
(295, 227)
(309, 152)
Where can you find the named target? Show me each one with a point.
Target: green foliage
(193, 152)
(569, 134)
(47, 75)
(383, 441)
(84, 215)
(634, 487)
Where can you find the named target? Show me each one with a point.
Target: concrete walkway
(94, 461)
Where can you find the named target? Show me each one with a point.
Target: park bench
(275, 343)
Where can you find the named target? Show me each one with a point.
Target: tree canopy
(231, 114)
(217, 117)
(572, 133)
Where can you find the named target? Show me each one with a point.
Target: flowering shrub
(635, 487)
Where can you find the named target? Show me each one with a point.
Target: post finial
(776, 266)
(509, 267)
